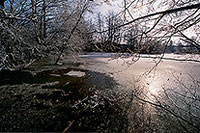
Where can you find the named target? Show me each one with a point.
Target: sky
(105, 7)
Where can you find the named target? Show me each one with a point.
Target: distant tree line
(134, 38)
(109, 39)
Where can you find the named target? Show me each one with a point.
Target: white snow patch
(55, 75)
(75, 73)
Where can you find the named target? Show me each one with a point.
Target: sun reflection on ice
(153, 89)
(153, 86)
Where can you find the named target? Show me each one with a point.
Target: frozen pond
(147, 71)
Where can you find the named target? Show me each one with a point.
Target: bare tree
(41, 28)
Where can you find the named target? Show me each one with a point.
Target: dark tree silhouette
(2, 2)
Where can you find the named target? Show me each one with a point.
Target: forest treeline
(34, 29)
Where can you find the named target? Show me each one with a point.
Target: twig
(71, 123)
